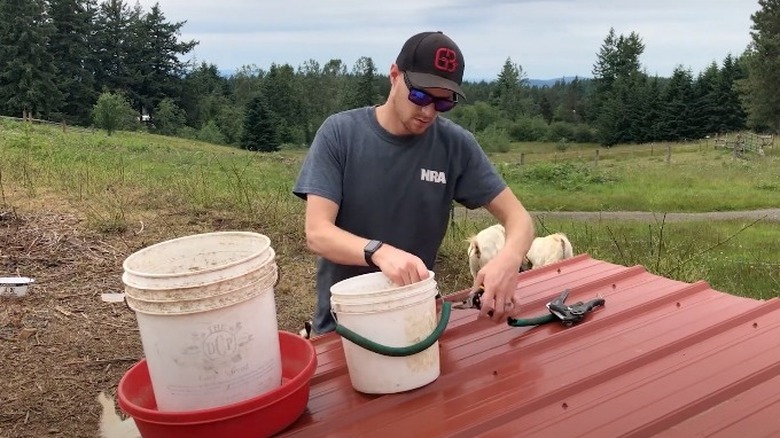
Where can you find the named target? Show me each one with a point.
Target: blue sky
(547, 38)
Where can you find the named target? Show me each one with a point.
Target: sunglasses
(421, 98)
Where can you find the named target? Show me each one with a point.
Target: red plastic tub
(261, 416)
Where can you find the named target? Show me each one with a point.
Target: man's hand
(499, 279)
(400, 266)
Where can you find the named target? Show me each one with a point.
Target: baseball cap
(432, 60)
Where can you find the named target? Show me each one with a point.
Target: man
(379, 183)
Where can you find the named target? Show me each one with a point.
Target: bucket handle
(399, 351)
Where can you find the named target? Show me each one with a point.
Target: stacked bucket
(207, 318)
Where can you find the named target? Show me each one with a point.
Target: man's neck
(387, 120)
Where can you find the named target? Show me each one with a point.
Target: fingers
(497, 307)
(404, 268)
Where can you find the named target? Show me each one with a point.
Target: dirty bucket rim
(143, 251)
(390, 290)
(232, 410)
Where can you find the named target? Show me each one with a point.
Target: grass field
(76, 204)
(122, 181)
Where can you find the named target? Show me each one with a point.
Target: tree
(614, 107)
(114, 40)
(678, 116)
(26, 71)
(203, 94)
(112, 112)
(168, 118)
(260, 128)
(762, 60)
(364, 89)
(507, 94)
(72, 57)
(160, 70)
(282, 98)
(731, 114)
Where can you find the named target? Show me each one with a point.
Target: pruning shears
(568, 314)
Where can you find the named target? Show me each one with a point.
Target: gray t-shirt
(397, 189)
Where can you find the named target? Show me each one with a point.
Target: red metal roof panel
(662, 357)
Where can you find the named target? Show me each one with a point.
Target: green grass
(697, 178)
(116, 179)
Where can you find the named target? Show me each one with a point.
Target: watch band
(369, 250)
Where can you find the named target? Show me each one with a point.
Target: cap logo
(445, 59)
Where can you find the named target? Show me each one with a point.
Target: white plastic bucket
(207, 317)
(371, 306)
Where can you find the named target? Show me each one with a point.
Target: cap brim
(427, 80)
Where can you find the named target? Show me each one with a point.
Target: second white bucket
(375, 309)
(207, 317)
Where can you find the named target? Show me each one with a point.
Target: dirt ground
(61, 344)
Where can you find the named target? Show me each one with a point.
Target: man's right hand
(400, 266)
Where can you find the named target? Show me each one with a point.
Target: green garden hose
(399, 351)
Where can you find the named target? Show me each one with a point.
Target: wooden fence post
(596, 160)
(522, 158)
(668, 154)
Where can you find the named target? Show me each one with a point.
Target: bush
(210, 133)
(564, 176)
(560, 130)
(494, 139)
(112, 112)
(528, 129)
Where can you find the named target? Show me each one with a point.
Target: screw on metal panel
(614, 286)
(755, 325)
(678, 304)
(495, 373)
(559, 270)
(565, 406)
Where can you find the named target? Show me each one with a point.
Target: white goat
(484, 246)
(547, 250)
(111, 426)
(543, 251)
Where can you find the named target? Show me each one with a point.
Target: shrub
(494, 139)
(528, 129)
(113, 112)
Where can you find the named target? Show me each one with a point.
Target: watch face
(373, 246)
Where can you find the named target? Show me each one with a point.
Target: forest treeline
(113, 66)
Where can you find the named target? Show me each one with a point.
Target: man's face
(414, 117)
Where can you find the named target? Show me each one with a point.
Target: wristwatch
(369, 250)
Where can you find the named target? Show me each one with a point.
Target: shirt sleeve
(480, 182)
(322, 168)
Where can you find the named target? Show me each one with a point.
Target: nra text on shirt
(433, 176)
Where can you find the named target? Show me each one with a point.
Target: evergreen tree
(763, 67)
(260, 128)
(159, 70)
(678, 117)
(115, 38)
(615, 108)
(732, 115)
(507, 94)
(168, 117)
(705, 115)
(204, 92)
(282, 98)
(70, 49)
(364, 89)
(27, 74)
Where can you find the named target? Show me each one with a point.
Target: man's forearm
(336, 245)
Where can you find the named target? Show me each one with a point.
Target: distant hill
(551, 82)
(531, 82)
